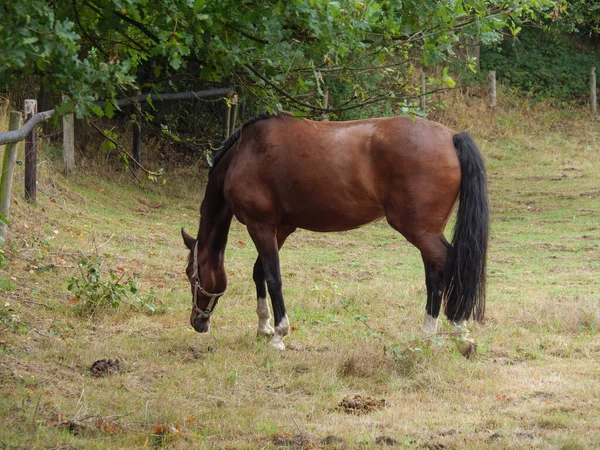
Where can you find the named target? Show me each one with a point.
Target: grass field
(355, 300)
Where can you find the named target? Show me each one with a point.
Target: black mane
(234, 137)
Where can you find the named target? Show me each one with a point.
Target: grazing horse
(278, 173)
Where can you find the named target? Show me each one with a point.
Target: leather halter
(203, 314)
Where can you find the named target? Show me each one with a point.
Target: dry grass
(535, 383)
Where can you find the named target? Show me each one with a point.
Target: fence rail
(9, 137)
(29, 133)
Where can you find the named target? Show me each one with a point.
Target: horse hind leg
(433, 281)
(434, 251)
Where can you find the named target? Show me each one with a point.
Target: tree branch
(129, 20)
(246, 34)
(297, 102)
(120, 148)
(93, 40)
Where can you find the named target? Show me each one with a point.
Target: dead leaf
(52, 200)
(107, 426)
(100, 191)
(165, 429)
(74, 300)
(241, 243)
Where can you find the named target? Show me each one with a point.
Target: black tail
(465, 277)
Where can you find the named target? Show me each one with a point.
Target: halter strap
(204, 314)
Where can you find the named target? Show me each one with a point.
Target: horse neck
(215, 220)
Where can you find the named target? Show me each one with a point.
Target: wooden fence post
(234, 113)
(227, 119)
(325, 116)
(68, 121)
(10, 157)
(423, 93)
(137, 135)
(593, 102)
(31, 154)
(492, 79)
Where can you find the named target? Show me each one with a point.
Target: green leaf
(109, 108)
(96, 110)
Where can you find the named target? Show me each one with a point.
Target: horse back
(329, 176)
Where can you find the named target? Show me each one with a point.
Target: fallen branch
(38, 304)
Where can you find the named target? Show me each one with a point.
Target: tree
(281, 51)
(575, 16)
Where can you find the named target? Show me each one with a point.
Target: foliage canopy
(281, 51)
(543, 64)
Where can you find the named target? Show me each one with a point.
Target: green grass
(534, 384)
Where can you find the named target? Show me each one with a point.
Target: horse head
(203, 303)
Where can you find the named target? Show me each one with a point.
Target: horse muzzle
(200, 324)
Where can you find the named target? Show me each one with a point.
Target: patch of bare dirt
(191, 354)
(306, 348)
(359, 405)
(333, 441)
(298, 441)
(105, 368)
(386, 440)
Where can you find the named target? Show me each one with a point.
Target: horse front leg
(265, 240)
(262, 305)
(258, 274)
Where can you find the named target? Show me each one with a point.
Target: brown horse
(278, 173)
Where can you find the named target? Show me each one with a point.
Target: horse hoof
(467, 348)
(279, 345)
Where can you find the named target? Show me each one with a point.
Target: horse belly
(329, 209)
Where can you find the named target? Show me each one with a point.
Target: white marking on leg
(430, 324)
(281, 331)
(264, 316)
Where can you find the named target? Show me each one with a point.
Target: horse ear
(187, 239)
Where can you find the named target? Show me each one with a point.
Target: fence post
(593, 102)
(423, 93)
(137, 134)
(492, 78)
(31, 154)
(68, 121)
(10, 157)
(234, 113)
(227, 119)
(325, 116)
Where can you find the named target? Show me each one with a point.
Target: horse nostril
(201, 325)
